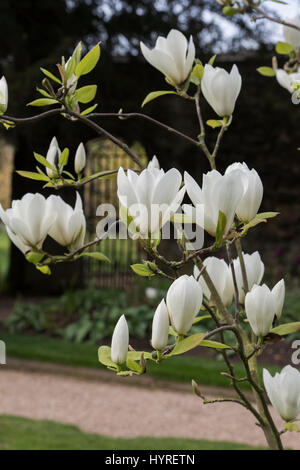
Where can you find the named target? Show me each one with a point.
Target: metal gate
(104, 155)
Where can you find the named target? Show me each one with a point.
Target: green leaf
(213, 344)
(286, 328)
(266, 71)
(34, 257)
(156, 94)
(253, 223)
(50, 75)
(64, 157)
(42, 102)
(187, 344)
(291, 427)
(136, 355)
(97, 255)
(220, 228)
(134, 366)
(283, 48)
(198, 319)
(88, 62)
(86, 93)
(44, 92)
(212, 60)
(44, 269)
(229, 11)
(33, 176)
(172, 332)
(267, 215)
(104, 353)
(214, 123)
(142, 270)
(39, 158)
(197, 74)
(88, 110)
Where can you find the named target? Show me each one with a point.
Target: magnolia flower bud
(160, 327)
(260, 309)
(70, 224)
(254, 269)
(151, 197)
(253, 191)
(292, 35)
(170, 56)
(284, 392)
(3, 95)
(184, 299)
(219, 193)
(80, 158)
(52, 156)
(287, 80)
(120, 342)
(221, 89)
(221, 276)
(279, 293)
(28, 221)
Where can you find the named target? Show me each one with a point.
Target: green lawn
(27, 434)
(179, 368)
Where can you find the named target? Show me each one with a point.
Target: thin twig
(266, 16)
(124, 116)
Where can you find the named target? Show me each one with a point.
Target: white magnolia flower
(219, 193)
(170, 56)
(255, 270)
(221, 89)
(260, 309)
(253, 191)
(220, 274)
(151, 197)
(292, 35)
(287, 80)
(160, 327)
(284, 392)
(28, 221)
(120, 341)
(52, 156)
(80, 158)
(279, 293)
(70, 224)
(184, 299)
(3, 95)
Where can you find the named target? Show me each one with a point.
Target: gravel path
(126, 411)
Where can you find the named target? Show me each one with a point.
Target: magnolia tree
(246, 315)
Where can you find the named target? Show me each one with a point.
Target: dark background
(265, 128)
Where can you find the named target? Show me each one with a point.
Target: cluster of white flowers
(153, 196)
(170, 57)
(183, 302)
(32, 218)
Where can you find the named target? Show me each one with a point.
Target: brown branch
(124, 116)
(31, 119)
(266, 16)
(236, 290)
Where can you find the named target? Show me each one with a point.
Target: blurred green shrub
(81, 315)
